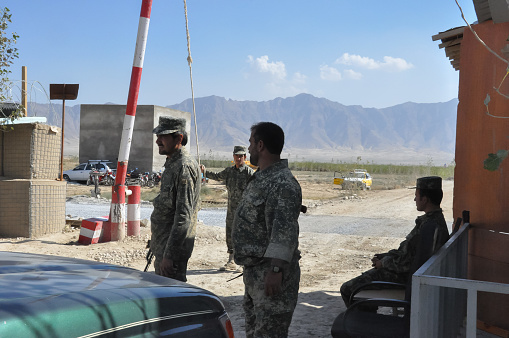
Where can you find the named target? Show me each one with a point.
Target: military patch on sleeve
(184, 181)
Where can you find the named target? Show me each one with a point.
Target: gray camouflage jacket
(400, 260)
(266, 220)
(173, 221)
(236, 181)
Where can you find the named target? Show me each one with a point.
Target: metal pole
(62, 145)
(117, 210)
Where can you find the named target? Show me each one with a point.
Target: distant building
(101, 131)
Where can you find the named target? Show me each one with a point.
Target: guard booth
(483, 128)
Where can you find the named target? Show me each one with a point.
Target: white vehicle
(82, 171)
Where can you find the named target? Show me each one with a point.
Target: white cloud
(262, 64)
(329, 73)
(352, 74)
(389, 63)
(279, 84)
(299, 78)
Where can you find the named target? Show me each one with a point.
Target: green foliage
(211, 163)
(7, 52)
(494, 161)
(374, 169)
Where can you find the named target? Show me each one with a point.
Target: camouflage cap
(239, 150)
(170, 125)
(430, 183)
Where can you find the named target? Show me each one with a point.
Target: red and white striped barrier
(133, 211)
(91, 230)
(117, 210)
(117, 214)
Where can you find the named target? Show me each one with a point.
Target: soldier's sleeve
(184, 208)
(399, 260)
(220, 176)
(282, 210)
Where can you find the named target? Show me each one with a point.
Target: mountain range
(312, 126)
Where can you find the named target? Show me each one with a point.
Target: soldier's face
(419, 201)
(168, 144)
(253, 150)
(239, 160)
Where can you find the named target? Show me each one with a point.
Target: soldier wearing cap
(266, 236)
(397, 264)
(235, 178)
(173, 221)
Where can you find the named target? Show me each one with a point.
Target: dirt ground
(328, 260)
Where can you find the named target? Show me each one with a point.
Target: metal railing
(442, 295)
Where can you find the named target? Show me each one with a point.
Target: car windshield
(359, 175)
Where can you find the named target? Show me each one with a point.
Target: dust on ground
(327, 261)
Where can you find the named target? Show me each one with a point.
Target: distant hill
(319, 124)
(312, 126)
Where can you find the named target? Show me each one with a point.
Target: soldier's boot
(230, 265)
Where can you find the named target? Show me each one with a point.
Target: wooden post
(24, 100)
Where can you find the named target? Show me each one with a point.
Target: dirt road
(327, 259)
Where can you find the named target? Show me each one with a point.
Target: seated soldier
(395, 265)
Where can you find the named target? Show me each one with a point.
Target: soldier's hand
(273, 281)
(202, 168)
(377, 263)
(166, 268)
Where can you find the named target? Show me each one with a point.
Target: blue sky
(369, 53)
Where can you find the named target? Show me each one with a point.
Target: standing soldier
(266, 236)
(236, 178)
(173, 221)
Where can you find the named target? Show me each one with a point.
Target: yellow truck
(359, 178)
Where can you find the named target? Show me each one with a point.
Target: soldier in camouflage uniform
(398, 265)
(173, 221)
(235, 178)
(265, 236)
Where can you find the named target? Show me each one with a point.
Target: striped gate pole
(117, 210)
(133, 211)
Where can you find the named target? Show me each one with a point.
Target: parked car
(82, 171)
(359, 178)
(50, 296)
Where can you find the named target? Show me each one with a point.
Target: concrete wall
(101, 133)
(482, 192)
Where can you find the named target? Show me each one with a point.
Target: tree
(7, 53)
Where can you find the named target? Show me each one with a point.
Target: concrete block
(91, 230)
(98, 139)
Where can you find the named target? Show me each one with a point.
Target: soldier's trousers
(269, 316)
(369, 276)
(229, 227)
(180, 269)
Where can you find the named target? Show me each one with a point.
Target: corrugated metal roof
(451, 42)
(496, 10)
(482, 10)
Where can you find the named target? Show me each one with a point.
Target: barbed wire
(35, 90)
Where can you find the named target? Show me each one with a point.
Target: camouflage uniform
(174, 218)
(266, 227)
(397, 264)
(236, 181)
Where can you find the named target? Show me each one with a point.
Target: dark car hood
(42, 275)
